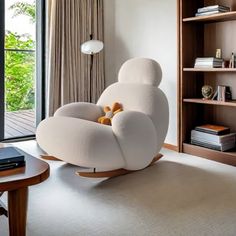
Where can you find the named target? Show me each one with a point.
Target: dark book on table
(10, 155)
(12, 165)
(213, 129)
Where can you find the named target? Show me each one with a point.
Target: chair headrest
(140, 71)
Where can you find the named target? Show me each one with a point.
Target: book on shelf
(217, 139)
(213, 129)
(218, 147)
(212, 8)
(209, 10)
(210, 13)
(10, 158)
(208, 59)
(214, 137)
(208, 62)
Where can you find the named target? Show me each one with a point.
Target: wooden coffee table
(16, 182)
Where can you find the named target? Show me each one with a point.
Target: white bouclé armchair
(136, 134)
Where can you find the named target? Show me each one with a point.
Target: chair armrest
(80, 142)
(81, 110)
(137, 137)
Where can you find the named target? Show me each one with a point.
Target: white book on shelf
(218, 139)
(211, 8)
(208, 59)
(205, 63)
(210, 13)
(207, 66)
(222, 148)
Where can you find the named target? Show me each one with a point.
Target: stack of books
(208, 62)
(209, 10)
(10, 158)
(213, 137)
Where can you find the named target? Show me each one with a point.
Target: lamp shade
(92, 47)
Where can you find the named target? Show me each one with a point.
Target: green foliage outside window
(20, 65)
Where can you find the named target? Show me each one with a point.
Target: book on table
(10, 158)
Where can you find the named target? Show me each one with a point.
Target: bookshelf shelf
(228, 157)
(210, 102)
(228, 16)
(209, 69)
(200, 37)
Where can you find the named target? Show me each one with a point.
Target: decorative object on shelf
(228, 93)
(226, 64)
(221, 90)
(222, 93)
(232, 61)
(207, 92)
(218, 53)
(209, 10)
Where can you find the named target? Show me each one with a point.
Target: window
(22, 67)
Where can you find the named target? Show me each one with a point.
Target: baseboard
(171, 147)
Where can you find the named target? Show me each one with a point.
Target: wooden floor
(19, 123)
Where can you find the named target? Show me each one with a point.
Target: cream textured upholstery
(136, 135)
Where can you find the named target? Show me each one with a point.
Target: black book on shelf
(10, 155)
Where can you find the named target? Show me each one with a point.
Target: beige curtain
(69, 24)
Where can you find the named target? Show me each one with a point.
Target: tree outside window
(20, 63)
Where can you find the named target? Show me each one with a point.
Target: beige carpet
(180, 195)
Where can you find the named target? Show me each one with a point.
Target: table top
(34, 172)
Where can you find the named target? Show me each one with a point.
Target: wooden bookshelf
(200, 37)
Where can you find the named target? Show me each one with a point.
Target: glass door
(22, 68)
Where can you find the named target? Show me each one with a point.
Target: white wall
(144, 28)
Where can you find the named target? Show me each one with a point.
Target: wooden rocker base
(114, 173)
(49, 158)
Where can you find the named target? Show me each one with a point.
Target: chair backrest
(137, 90)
